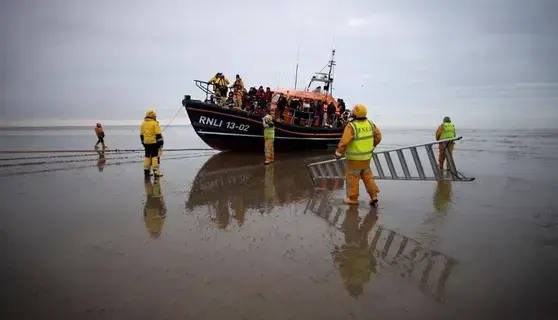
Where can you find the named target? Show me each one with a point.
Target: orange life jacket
(99, 131)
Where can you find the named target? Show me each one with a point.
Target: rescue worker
(100, 136)
(355, 259)
(154, 210)
(220, 85)
(238, 92)
(445, 131)
(269, 137)
(213, 81)
(152, 140)
(359, 139)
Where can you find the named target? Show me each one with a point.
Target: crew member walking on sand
(100, 136)
(269, 137)
(152, 140)
(445, 131)
(359, 139)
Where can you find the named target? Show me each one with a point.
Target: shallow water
(243, 241)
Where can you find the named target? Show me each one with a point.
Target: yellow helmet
(359, 111)
(150, 114)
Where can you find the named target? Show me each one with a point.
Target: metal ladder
(335, 168)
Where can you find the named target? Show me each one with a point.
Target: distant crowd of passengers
(295, 110)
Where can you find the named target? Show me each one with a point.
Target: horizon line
(11, 127)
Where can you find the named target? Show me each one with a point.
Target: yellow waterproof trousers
(268, 148)
(441, 153)
(353, 177)
(151, 160)
(237, 99)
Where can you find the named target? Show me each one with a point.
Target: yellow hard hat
(150, 114)
(359, 111)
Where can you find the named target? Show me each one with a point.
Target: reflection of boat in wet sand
(389, 250)
(234, 180)
(226, 128)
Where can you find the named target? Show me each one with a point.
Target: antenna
(297, 57)
(279, 78)
(331, 72)
(326, 78)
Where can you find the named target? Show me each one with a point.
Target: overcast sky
(482, 62)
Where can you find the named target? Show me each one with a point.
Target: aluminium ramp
(398, 169)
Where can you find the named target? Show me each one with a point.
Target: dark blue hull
(228, 129)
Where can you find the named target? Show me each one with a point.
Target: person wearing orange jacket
(100, 136)
(359, 139)
(238, 91)
(445, 131)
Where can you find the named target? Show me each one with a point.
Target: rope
(89, 152)
(61, 161)
(95, 165)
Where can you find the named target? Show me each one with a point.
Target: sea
(230, 242)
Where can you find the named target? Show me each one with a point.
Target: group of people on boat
(311, 112)
(294, 110)
(252, 100)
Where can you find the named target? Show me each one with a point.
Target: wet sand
(222, 237)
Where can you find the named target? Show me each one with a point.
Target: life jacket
(448, 131)
(362, 145)
(99, 131)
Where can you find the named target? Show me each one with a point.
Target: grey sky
(482, 62)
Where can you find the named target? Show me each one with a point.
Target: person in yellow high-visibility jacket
(152, 140)
(445, 131)
(269, 137)
(220, 87)
(359, 139)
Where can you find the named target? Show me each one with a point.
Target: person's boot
(374, 203)
(147, 173)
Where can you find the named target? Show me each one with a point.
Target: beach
(220, 236)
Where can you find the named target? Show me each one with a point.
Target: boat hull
(228, 129)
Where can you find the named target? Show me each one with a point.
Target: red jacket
(267, 96)
(260, 94)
